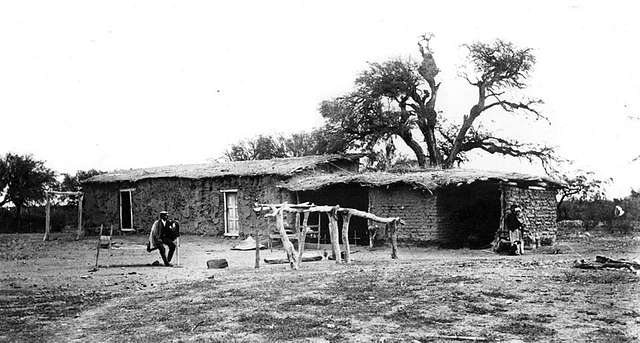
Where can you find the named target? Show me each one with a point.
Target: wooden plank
(285, 261)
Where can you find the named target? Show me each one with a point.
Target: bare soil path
(48, 294)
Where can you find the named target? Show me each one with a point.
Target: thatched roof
(276, 166)
(429, 180)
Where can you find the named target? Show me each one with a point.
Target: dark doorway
(126, 210)
(351, 196)
(468, 215)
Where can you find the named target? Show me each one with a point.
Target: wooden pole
(98, 247)
(80, 229)
(319, 230)
(302, 235)
(394, 240)
(496, 240)
(345, 237)
(335, 237)
(372, 234)
(286, 244)
(256, 233)
(47, 219)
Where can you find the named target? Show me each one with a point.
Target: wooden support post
(333, 231)
(257, 234)
(98, 246)
(394, 239)
(47, 219)
(319, 230)
(345, 237)
(302, 235)
(500, 229)
(80, 228)
(373, 230)
(286, 244)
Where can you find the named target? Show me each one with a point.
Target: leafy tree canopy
(325, 140)
(396, 99)
(23, 180)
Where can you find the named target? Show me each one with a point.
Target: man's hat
(164, 212)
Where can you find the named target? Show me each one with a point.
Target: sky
(125, 84)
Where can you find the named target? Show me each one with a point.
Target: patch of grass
(597, 277)
(416, 316)
(479, 309)
(498, 293)
(304, 301)
(289, 328)
(535, 317)
(608, 335)
(459, 295)
(525, 329)
(455, 279)
(26, 312)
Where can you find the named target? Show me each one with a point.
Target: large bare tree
(397, 98)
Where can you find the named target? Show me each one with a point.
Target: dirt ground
(49, 294)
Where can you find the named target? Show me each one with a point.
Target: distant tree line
(24, 180)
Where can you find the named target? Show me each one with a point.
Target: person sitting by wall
(164, 232)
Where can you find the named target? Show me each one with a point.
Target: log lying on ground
(621, 263)
(605, 262)
(285, 261)
(342, 254)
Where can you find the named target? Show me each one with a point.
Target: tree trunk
(467, 123)
(407, 137)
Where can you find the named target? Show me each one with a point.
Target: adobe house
(450, 208)
(213, 198)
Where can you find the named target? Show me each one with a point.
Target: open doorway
(351, 196)
(126, 210)
(468, 215)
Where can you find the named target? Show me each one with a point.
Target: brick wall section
(539, 207)
(417, 208)
(197, 204)
(460, 216)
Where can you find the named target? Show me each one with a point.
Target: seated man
(163, 231)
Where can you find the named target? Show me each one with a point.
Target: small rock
(85, 276)
(331, 326)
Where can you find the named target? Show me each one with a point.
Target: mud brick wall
(197, 204)
(417, 208)
(539, 208)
